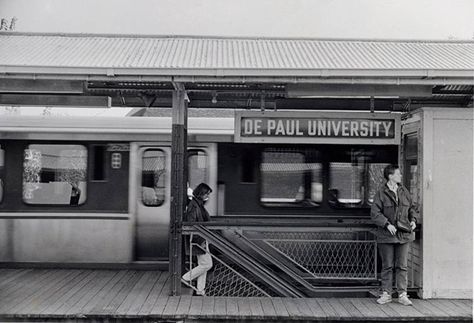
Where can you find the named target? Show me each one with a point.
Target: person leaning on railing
(395, 215)
(196, 212)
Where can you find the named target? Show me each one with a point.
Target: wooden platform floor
(59, 295)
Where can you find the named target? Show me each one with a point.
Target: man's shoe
(403, 299)
(384, 298)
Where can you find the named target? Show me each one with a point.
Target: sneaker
(200, 293)
(403, 299)
(384, 298)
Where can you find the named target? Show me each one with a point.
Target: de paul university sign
(317, 127)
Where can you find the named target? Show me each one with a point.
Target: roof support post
(179, 174)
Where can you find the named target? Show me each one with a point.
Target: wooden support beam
(56, 100)
(41, 86)
(179, 135)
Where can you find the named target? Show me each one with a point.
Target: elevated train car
(97, 190)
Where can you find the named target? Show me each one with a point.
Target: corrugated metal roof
(193, 53)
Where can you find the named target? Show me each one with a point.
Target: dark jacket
(386, 209)
(195, 212)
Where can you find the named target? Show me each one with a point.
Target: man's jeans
(394, 254)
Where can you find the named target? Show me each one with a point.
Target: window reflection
(376, 179)
(197, 167)
(288, 177)
(55, 174)
(347, 184)
(153, 177)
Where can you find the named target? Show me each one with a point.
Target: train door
(151, 180)
(151, 190)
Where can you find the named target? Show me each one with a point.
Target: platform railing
(303, 258)
(224, 280)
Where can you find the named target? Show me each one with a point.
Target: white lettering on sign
(306, 127)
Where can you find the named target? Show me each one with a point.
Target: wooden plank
(195, 308)
(268, 309)
(326, 307)
(279, 307)
(207, 310)
(101, 305)
(291, 307)
(58, 297)
(103, 278)
(20, 285)
(232, 307)
(256, 307)
(84, 289)
(101, 296)
(143, 293)
(404, 311)
(183, 307)
(316, 309)
(133, 294)
(465, 309)
(339, 309)
(429, 310)
(43, 287)
(303, 308)
(448, 307)
(353, 311)
(24, 290)
(171, 306)
(387, 310)
(154, 293)
(12, 275)
(162, 299)
(369, 308)
(244, 307)
(123, 288)
(44, 295)
(220, 308)
(53, 308)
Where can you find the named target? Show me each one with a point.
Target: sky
(373, 19)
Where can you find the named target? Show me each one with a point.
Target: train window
(153, 177)
(347, 184)
(55, 174)
(289, 177)
(2, 167)
(376, 179)
(197, 167)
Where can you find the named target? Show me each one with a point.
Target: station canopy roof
(201, 57)
(133, 69)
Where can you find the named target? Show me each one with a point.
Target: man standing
(395, 216)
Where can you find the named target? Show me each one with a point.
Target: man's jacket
(386, 209)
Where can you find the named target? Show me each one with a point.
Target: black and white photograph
(236, 161)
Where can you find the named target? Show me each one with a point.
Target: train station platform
(86, 295)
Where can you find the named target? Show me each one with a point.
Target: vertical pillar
(179, 174)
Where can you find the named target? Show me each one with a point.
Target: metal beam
(357, 90)
(179, 134)
(56, 100)
(40, 86)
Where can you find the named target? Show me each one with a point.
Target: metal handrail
(283, 288)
